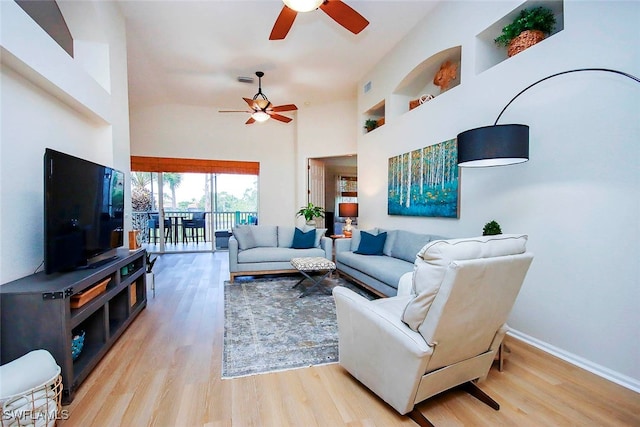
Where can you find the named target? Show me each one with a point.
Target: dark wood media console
(36, 313)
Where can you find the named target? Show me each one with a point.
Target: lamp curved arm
(608, 70)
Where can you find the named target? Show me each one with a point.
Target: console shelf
(36, 313)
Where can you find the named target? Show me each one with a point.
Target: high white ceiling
(192, 52)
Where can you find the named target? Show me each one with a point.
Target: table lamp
(347, 210)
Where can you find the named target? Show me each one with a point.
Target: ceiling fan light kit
(260, 116)
(303, 5)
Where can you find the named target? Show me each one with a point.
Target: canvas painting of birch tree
(425, 182)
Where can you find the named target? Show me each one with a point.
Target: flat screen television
(83, 212)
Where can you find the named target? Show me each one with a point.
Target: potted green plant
(370, 124)
(530, 27)
(310, 213)
(491, 229)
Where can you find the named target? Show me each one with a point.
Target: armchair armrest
(343, 245)
(233, 254)
(327, 245)
(378, 349)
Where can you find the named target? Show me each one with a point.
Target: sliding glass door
(191, 212)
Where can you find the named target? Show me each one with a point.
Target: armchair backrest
(464, 291)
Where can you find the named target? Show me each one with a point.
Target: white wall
(282, 149)
(578, 196)
(49, 100)
(183, 131)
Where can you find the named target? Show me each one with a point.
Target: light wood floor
(165, 371)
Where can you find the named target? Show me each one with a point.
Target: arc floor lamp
(499, 145)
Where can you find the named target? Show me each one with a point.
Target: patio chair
(154, 225)
(194, 225)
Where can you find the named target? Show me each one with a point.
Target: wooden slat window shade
(165, 164)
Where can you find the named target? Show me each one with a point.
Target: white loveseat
(266, 249)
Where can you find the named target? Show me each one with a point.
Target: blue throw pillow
(302, 240)
(371, 244)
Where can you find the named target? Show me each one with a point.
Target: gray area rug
(267, 327)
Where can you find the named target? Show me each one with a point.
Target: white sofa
(266, 249)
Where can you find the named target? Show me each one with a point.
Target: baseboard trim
(594, 368)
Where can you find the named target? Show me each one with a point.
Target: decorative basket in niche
(76, 345)
(524, 40)
(39, 406)
(423, 98)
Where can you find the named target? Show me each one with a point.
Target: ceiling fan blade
(344, 15)
(250, 102)
(280, 118)
(251, 120)
(281, 108)
(283, 23)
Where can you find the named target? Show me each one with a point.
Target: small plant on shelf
(530, 27)
(491, 229)
(370, 124)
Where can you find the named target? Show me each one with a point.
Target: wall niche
(374, 114)
(489, 54)
(419, 86)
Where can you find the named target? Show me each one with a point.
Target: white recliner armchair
(445, 333)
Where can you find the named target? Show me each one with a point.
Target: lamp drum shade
(495, 145)
(348, 209)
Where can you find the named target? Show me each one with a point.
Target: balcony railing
(215, 221)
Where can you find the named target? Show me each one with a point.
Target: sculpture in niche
(448, 71)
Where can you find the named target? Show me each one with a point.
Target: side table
(333, 251)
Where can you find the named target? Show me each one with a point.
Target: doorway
(339, 184)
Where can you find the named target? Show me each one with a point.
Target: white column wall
(48, 100)
(324, 130)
